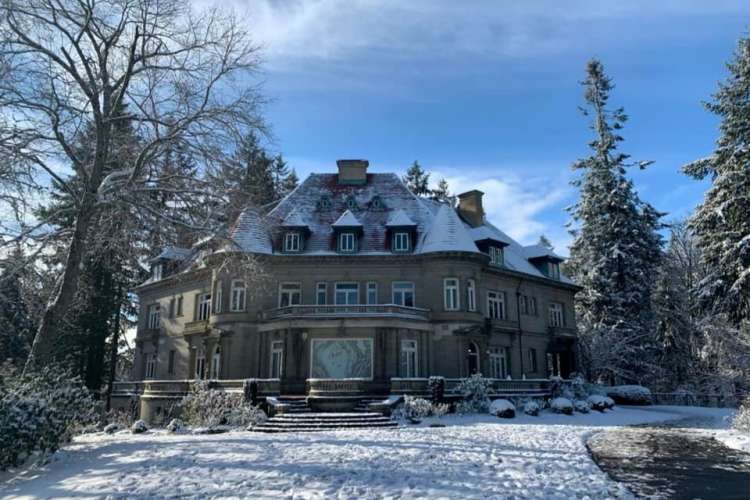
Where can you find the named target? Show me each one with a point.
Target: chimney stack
(470, 207)
(352, 171)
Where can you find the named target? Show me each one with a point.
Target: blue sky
(485, 93)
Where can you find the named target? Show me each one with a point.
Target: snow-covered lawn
(472, 457)
(734, 439)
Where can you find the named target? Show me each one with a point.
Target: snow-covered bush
(139, 427)
(532, 408)
(502, 408)
(415, 409)
(206, 407)
(600, 403)
(578, 387)
(41, 411)
(176, 426)
(630, 394)
(475, 391)
(581, 406)
(440, 409)
(561, 405)
(111, 428)
(741, 420)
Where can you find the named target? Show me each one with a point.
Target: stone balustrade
(339, 311)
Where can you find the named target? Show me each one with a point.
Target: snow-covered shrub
(630, 394)
(532, 408)
(415, 409)
(206, 407)
(139, 427)
(502, 408)
(440, 409)
(437, 388)
(579, 388)
(111, 428)
(41, 411)
(600, 403)
(741, 420)
(176, 426)
(561, 405)
(476, 394)
(581, 406)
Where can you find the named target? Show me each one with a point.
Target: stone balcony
(194, 327)
(346, 311)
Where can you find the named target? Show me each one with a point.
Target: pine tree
(290, 183)
(616, 246)
(284, 180)
(721, 223)
(417, 180)
(16, 323)
(545, 242)
(442, 193)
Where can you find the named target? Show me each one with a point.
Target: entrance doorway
(472, 357)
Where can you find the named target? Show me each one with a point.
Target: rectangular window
(532, 306)
(533, 366)
(471, 295)
(372, 293)
(238, 299)
(200, 364)
(151, 366)
(495, 305)
(409, 358)
(179, 306)
(496, 256)
(554, 270)
(321, 294)
(170, 365)
(204, 306)
(277, 358)
(450, 294)
(156, 271)
(527, 305)
(290, 294)
(347, 294)
(498, 362)
(401, 242)
(219, 296)
(556, 317)
(171, 307)
(292, 242)
(347, 242)
(154, 316)
(403, 293)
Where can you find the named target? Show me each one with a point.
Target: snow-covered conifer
(417, 180)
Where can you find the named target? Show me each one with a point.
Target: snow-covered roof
(538, 251)
(250, 233)
(399, 218)
(347, 219)
(447, 234)
(489, 232)
(173, 253)
(294, 219)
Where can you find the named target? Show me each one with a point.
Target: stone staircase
(295, 405)
(363, 404)
(306, 421)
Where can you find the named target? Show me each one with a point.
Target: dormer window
(324, 203)
(376, 203)
(347, 242)
(401, 242)
(156, 272)
(497, 257)
(351, 203)
(553, 270)
(293, 241)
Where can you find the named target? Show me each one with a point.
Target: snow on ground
(472, 457)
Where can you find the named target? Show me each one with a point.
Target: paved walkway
(673, 460)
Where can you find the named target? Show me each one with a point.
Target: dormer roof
(294, 220)
(347, 219)
(534, 252)
(399, 218)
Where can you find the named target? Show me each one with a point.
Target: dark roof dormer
(545, 260)
(347, 232)
(168, 261)
(401, 232)
(294, 233)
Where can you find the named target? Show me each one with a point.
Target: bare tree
(179, 76)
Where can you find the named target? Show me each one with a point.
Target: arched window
(216, 363)
(351, 203)
(200, 364)
(472, 358)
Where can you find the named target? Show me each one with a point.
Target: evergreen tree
(16, 323)
(417, 180)
(284, 180)
(290, 183)
(616, 246)
(545, 242)
(721, 223)
(442, 193)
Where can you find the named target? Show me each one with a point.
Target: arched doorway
(216, 363)
(472, 358)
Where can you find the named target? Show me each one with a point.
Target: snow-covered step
(292, 422)
(328, 420)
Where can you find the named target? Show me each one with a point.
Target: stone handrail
(420, 386)
(352, 310)
(341, 386)
(199, 326)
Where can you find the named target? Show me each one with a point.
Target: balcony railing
(562, 331)
(339, 311)
(196, 327)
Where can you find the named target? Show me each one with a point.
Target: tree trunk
(113, 353)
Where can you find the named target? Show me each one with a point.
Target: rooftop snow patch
(294, 219)
(447, 234)
(539, 251)
(399, 218)
(487, 232)
(347, 219)
(250, 234)
(173, 253)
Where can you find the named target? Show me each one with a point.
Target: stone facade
(332, 297)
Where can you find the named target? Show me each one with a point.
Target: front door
(472, 357)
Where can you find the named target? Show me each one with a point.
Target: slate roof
(438, 225)
(173, 253)
(537, 251)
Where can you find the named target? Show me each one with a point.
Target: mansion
(357, 279)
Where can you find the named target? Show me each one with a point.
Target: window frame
(235, 294)
(497, 255)
(171, 362)
(150, 367)
(277, 350)
(292, 237)
(215, 363)
(410, 288)
(321, 287)
(372, 288)
(336, 285)
(556, 310)
(200, 364)
(348, 235)
(409, 358)
(554, 270)
(532, 356)
(203, 307)
(286, 287)
(218, 297)
(499, 298)
(153, 320)
(404, 238)
(471, 295)
(498, 357)
(157, 271)
(456, 297)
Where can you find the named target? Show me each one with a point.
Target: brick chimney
(352, 171)
(470, 207)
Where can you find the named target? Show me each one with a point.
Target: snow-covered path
(478, 457)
